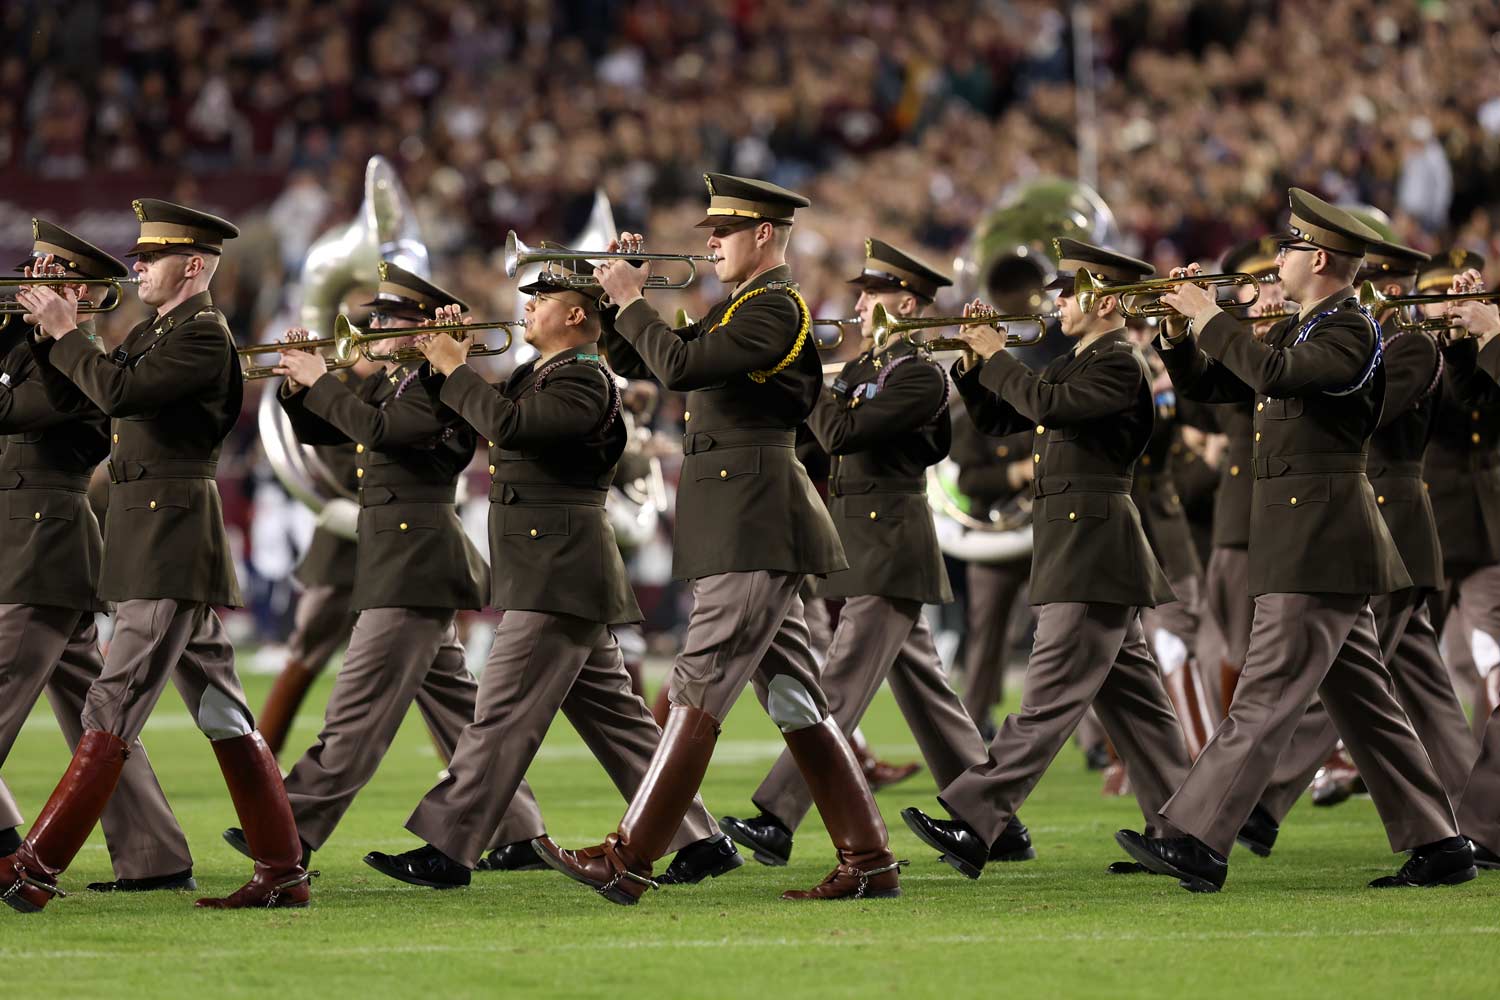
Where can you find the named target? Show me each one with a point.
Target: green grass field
(1299, 924)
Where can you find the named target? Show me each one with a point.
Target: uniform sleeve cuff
(996, 369)
(1218, 332)
(457, 387)
(68, 350)
(630, 321)
(322, 394)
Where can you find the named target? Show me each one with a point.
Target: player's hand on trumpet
(300, 366)
(52, 309)
(445, 353)
(622, 281)
(984, 341)
(1188, 302)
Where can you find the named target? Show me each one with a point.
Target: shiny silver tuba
(341, 259)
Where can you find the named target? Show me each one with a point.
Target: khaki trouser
(1301, 644)
(1409, 648)
(56, 650)
(819, 623)
(1084, 654)
(744, 628)
(1474, 653)
(993, 591)
(541, 663)
(1479, 806)
(323, 623)
(1226, 598)
(879, 637)
(396, 656)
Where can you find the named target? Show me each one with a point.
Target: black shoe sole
(1452, 878)
(964, 868)
(1027, 854)
(238, 844)
(749, 843)
(186, 885)
(484, 866)
(725, 865)
(614, 895)
(1258, 848)
(409, 879)
(1190, 882)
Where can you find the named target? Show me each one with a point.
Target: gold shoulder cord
(803, 329)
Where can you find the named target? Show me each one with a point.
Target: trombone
(114, 293)
(518, 255)
(350, 341)
(1087, 289)
(1376, 301)
(253, 372)
(884, 328)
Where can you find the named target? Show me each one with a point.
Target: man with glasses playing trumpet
(556, 435)
(1319, 551)
(1092, 571)
(49, 444)
(414, 567)
(884, 421)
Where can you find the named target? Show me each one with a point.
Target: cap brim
(1063, 280)
(881, 284)
(714, 221)
(393, 308)
(176, 248)
(542, 287)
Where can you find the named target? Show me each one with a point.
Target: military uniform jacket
(409, 452)
(883, 426)
(330, 558)
(1412, 395)
(1092, 415)
(1462, 463)
(48, 450)
(172, 391)
(1156, 497)
(555, 436)
(1489, 360)
(984, 464)
(1236, 421)
(1314, 523)
(744, 502)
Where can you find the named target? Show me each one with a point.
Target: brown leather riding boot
(878, 773)
(260, 802)
(28, 878)
(662, 706)
(1229, 679)
(1182, 693)
(287, 694)
(620, 868)
(866, 868)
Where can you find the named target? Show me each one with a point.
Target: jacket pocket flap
(1294, 491)
(876, 507)
(41, 507)
(1283, 409)
(160, 495)
(1076, 506)
(730, 463)
(411, 519)
(536, 522)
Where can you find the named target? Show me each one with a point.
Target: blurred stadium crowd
(905, 120)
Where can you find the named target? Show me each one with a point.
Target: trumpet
(114, 293)
(843, 323)
(253, 372)
(350, 341)
(884, 328)
(1087, 289)
(1376, 301)
(518, 255)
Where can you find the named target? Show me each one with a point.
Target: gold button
(117, 439)
(873, 515)
(1234, 470)
(687, 415)
(1473, 415)
(723, 473)
(1040, 429)
(1145, 459)
(1036, 458)
(37, 516)
(1380, 499)
(359, 449)
(533, 532)
(153, 504)
(1474, 437)
(1176, 498)
(492, 444)
(492, 470)
(403, 526)
(1294, 501)
(359, 473)
(1072, 515)
(1257, 435)
(1002, 451)
(1259, 407)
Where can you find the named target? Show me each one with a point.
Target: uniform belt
(848, 487)
(43, 479)
(1347, 463)
(524, 493)
(1051, 485)
(161, 468)
(375, 495)
(1397, 470)
(738, 437)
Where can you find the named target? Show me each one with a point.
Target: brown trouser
(1226, 599)
(396, 656)
(993, 591)
(56, 650)
(1479, 806)
(541, 663)
(323, 623)
(876, 637)
(749, 627)
(1409, 648)
(1301, 644)
(819, 623)
(1473, 600)
(1084, 654)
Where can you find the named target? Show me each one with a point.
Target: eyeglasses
(152, 256)
(1292, 246)
(720, 232)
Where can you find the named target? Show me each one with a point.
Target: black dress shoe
(1096, 758)
(426, 866)
(177, 880)
(1196, 866)
(707, 858)
(955, 841)
(1128, 868)
(1258, 834)
(1447, 862)
(235, 838)
(988, 731)
(765, 836)
(1014, 843)
(10, 841)
(1484, 857)
(517, 857)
